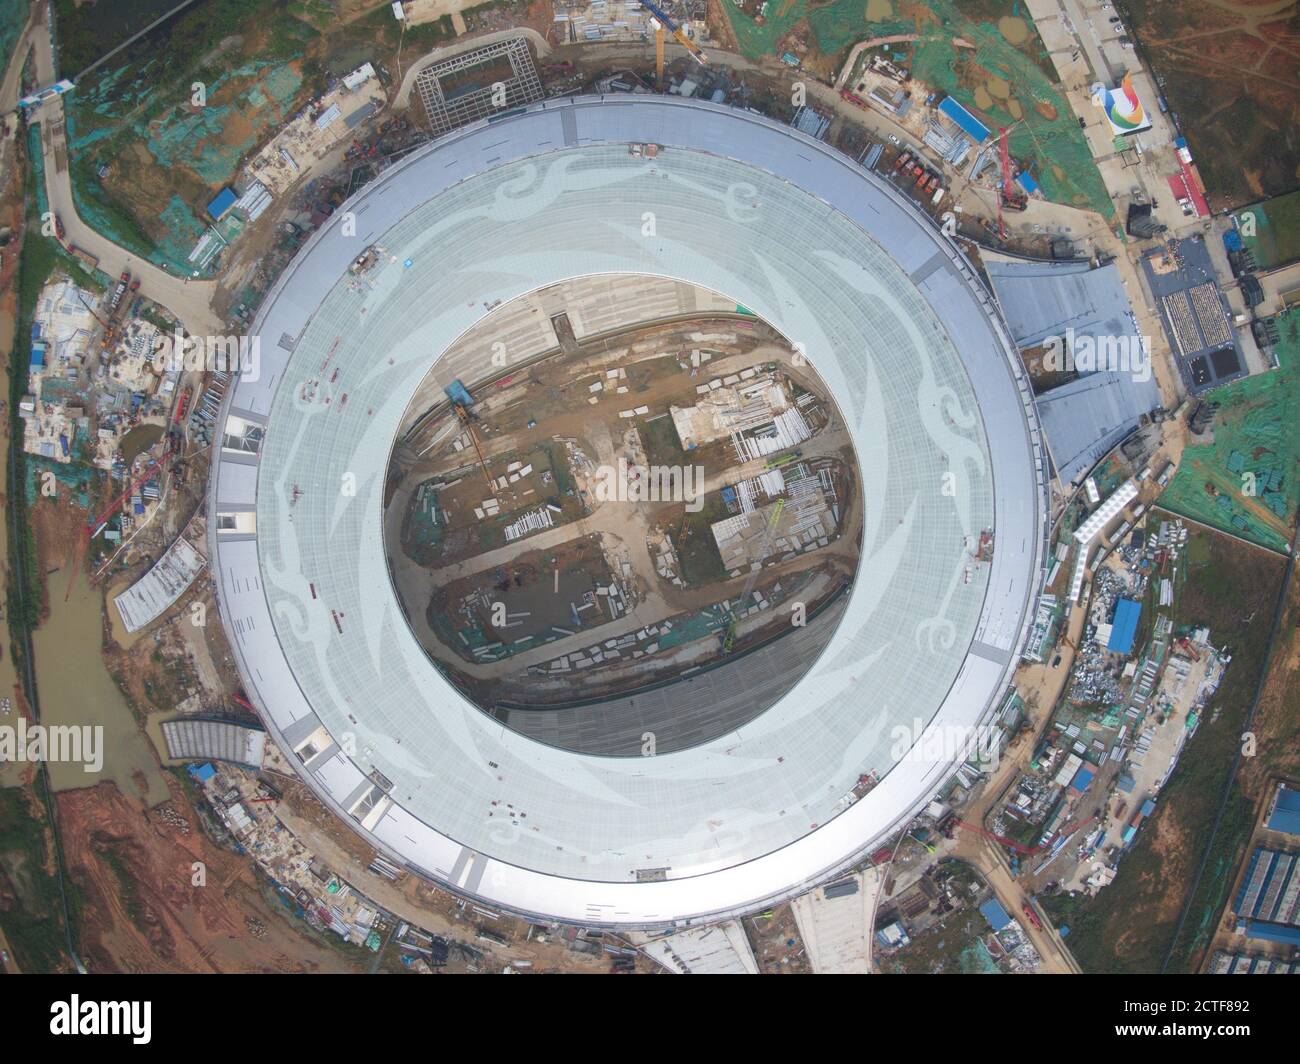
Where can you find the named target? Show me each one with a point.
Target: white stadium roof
(905, 338)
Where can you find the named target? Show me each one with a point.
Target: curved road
(189, 300)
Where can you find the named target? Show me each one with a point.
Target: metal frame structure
(444, 115)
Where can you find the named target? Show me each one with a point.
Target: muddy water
(879, 10)
(75, 688)
(1015, 30)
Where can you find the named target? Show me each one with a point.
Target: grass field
(29, 895)
(662, 447)
(1256, 434)
(13, 16)
(1129, 927)
(1007, 76)
(1272, 235)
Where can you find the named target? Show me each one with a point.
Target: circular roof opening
(649, 484)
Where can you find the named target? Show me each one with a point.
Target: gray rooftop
(1042, 299)
(1086, 417)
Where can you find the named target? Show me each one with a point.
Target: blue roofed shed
(1124, 627)
(997, 916)
(964, 120)
(1082, 780)
(221, 203)
(1283, 933)
(1286, 813)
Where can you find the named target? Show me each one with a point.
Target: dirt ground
(777, 945)
(134, 870)
(1229, 75)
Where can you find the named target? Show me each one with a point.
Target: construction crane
(1008, 195)
(1019, 848)
(461, 401)
(93, 525)
(663, 22)
(659, 53)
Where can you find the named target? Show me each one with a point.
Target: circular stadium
(810, 754)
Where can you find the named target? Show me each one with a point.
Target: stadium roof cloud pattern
(826, 253)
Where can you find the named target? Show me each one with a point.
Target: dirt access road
(1041, 686)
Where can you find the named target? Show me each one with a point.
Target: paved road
(36, 31)
(189, 300)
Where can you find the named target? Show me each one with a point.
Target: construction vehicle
(663, 22)
(902, 160)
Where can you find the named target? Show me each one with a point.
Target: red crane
(1069, 829)
(1008, 195)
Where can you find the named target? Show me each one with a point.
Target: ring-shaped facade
(899, 327)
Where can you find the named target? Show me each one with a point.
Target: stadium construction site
(559, 814)
(634, 506)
